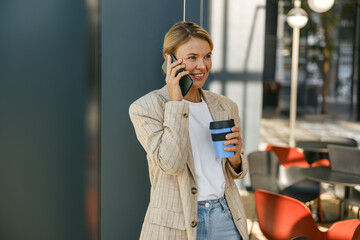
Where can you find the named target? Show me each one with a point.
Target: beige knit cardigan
(162, 127)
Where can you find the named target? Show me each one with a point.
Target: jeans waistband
(213, 203)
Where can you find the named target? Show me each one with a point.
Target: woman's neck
(193, 95)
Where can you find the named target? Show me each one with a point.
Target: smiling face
(196, 55)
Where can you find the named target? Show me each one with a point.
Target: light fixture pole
(296, 18)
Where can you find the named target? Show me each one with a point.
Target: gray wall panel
(132, 35)
(42, 98)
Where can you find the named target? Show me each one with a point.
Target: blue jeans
(214, 221)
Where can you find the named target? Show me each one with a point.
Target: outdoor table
(326, 175)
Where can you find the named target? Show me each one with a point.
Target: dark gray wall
(270, 51)
(132, 34)
(42, 98)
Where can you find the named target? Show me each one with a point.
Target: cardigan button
(193, 224)
(194, 190)
(186, 115)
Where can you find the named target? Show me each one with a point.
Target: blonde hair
(180, 33)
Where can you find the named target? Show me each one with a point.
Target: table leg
(345, 211)
(320, 211)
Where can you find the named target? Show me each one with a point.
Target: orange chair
(282, 218)
(291, 156)
(293, 160)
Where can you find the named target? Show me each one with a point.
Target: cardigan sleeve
(163, 132)
(243, 168)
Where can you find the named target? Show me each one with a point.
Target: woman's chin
(198, 84)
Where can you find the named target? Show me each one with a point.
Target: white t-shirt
(208, 168)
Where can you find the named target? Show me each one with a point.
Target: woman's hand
(234, 138)
(172, 82)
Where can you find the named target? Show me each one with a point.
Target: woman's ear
(165, 56)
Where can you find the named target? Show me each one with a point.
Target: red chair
(293, 160)
(282, 218)
(291, 156)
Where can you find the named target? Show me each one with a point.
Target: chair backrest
(263, 169)
(282, 217)
(355, 197)
(315, 152)
(310, 144)
(289, 156)
(344, 159)
(344, 230)
(342, 141)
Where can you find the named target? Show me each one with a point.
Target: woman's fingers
(232, 135)
(172, 70)
(171, 66)
(234, 138)
(235, 148)
(234, 141)
(235, 129)
(176, 69)
(231, 141)
(180, 75)
(175, 80)
(172, 80)
(168, 63)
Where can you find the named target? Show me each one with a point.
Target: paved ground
(276, 131)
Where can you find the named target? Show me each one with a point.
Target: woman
(193, 195)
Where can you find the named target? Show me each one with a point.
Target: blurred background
(71, 166)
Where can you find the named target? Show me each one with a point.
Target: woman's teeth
(198, 75)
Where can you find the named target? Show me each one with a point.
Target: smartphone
(185, 82)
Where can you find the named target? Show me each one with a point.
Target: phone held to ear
(185, 82)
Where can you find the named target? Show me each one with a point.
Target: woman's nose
(200, 64)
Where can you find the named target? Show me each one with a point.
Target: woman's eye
(192, 58)
(208, 56)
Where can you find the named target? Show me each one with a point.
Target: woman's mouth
(197, 76)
